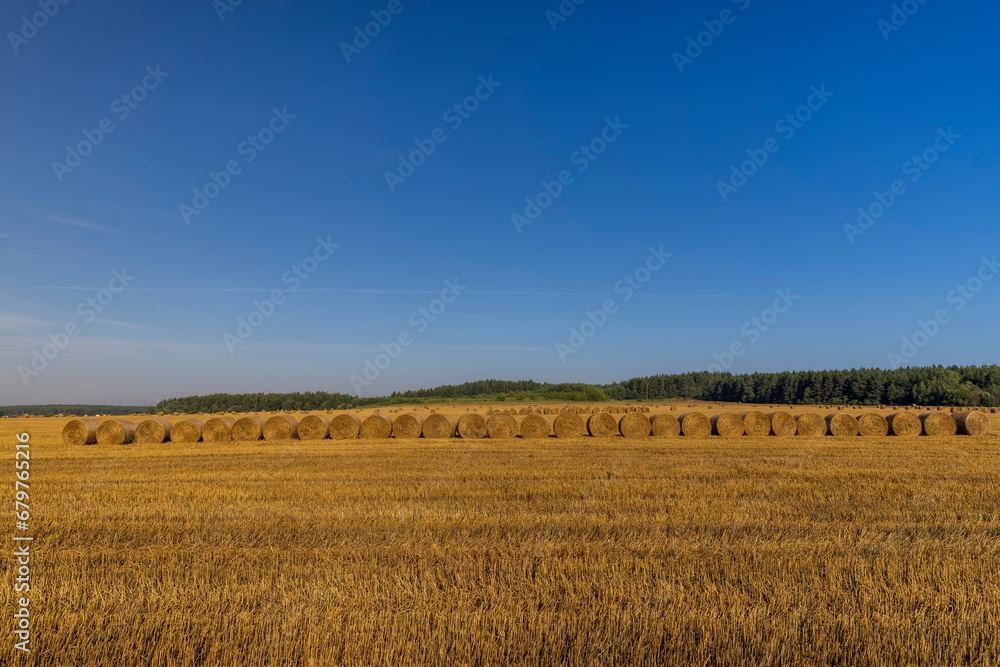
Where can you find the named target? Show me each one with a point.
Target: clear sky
(623, 133)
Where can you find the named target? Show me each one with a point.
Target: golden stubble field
(766, 551)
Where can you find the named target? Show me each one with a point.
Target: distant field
(749, 551)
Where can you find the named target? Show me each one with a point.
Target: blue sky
(887, 95)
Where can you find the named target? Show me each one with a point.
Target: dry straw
(376, 427)
(116, 432)
(218, 429)
(664, 426)
(602, 425)
(502, 427)
(281, 427)
(728, 425)
(972, 423)
(345, 426)
(152, 431)
(535, 426)
(186, 431)
(635, 425)
(695, 425)
(904, 424)
(939, 424)
(314, 427)
(872, 424)
(570, 425)
(471, 426)
(439, 426)
(408, 425)
(783, 424)
(756, 423)
(81, 432)
(842, 425)
(248, 429)
(810, 425)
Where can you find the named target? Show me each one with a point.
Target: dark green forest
(932, 385)
(49, 410)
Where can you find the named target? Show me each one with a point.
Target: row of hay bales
(500, 425)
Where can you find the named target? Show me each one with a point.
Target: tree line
(930, 385)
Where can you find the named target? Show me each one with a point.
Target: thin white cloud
(127, 325)
(73, 222)
(18, 323)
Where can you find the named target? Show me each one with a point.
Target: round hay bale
(939, 424)
(595, 410)
(972, 423)
(502, 427)
(695, 425)
(116, 432)
(646, 410)
(810, 425)
(152, 431)
(248, 429)
(783, 424)
(81, 432)
(187, 431)
(756, 423)
(408, 425)
(314, 427)
(535, 426)
(218, 429)
(602, 425)
(904, 424)
(539, 411)
(635, 425)
(673, 408)
(525, 411)
(281, 427)
(872, 424)
(375, 427)
(439, 426)
(345, 426)
(570, 425)
(728, 425)
(662, 425)
(606, 408)
(471, 426)
(842, 425)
